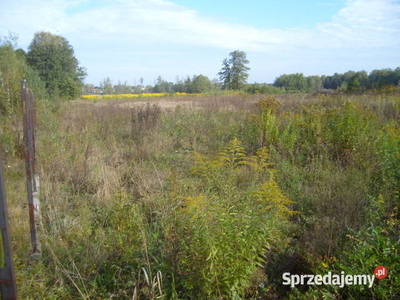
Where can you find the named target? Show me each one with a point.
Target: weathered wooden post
(8, 287)
(32, 181)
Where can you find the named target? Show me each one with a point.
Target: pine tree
(234, 72)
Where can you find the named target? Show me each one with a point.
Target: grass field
(209, 197)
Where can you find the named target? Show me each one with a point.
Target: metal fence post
(8, 287)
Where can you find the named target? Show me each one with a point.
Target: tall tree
(53, 57)
(107, 86)
(234, 72)
(225, 74)
(239, 70)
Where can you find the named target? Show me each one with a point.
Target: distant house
(96, 90)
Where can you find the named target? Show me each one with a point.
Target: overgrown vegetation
(207, 197)
(212, 201)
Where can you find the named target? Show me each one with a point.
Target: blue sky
(268, 14)
(129, 39)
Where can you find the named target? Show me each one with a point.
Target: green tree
(107, 86)
(354, 85)
(11, 73)
(364, 80)
(292, 82)
(13, 69)
(314, 83)
(234, 72)
(122, 88)
(180, 86)
(381, 78)
(162, 86)
(53, 57)
(225, 74)
(201, 84)
(239, 70)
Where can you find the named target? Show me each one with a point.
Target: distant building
(96, 90)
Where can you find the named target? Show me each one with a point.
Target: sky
(126, 40)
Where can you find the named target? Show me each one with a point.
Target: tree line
(234, 73)
(53, 71)
(233, 76)
(350, 81)
(191, 85)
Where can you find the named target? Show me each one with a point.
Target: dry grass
(238, 101)
(109, 170)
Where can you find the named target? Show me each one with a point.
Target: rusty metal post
(31, 179)
(8, 287)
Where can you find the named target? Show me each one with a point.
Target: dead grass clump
(144, 119)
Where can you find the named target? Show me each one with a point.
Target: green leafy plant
(225, 231)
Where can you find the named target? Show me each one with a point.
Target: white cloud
(360, 23)
(372, 23)
(105, 27)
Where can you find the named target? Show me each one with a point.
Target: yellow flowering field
(131, 96)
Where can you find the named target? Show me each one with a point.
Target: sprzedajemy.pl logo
(340, 280)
